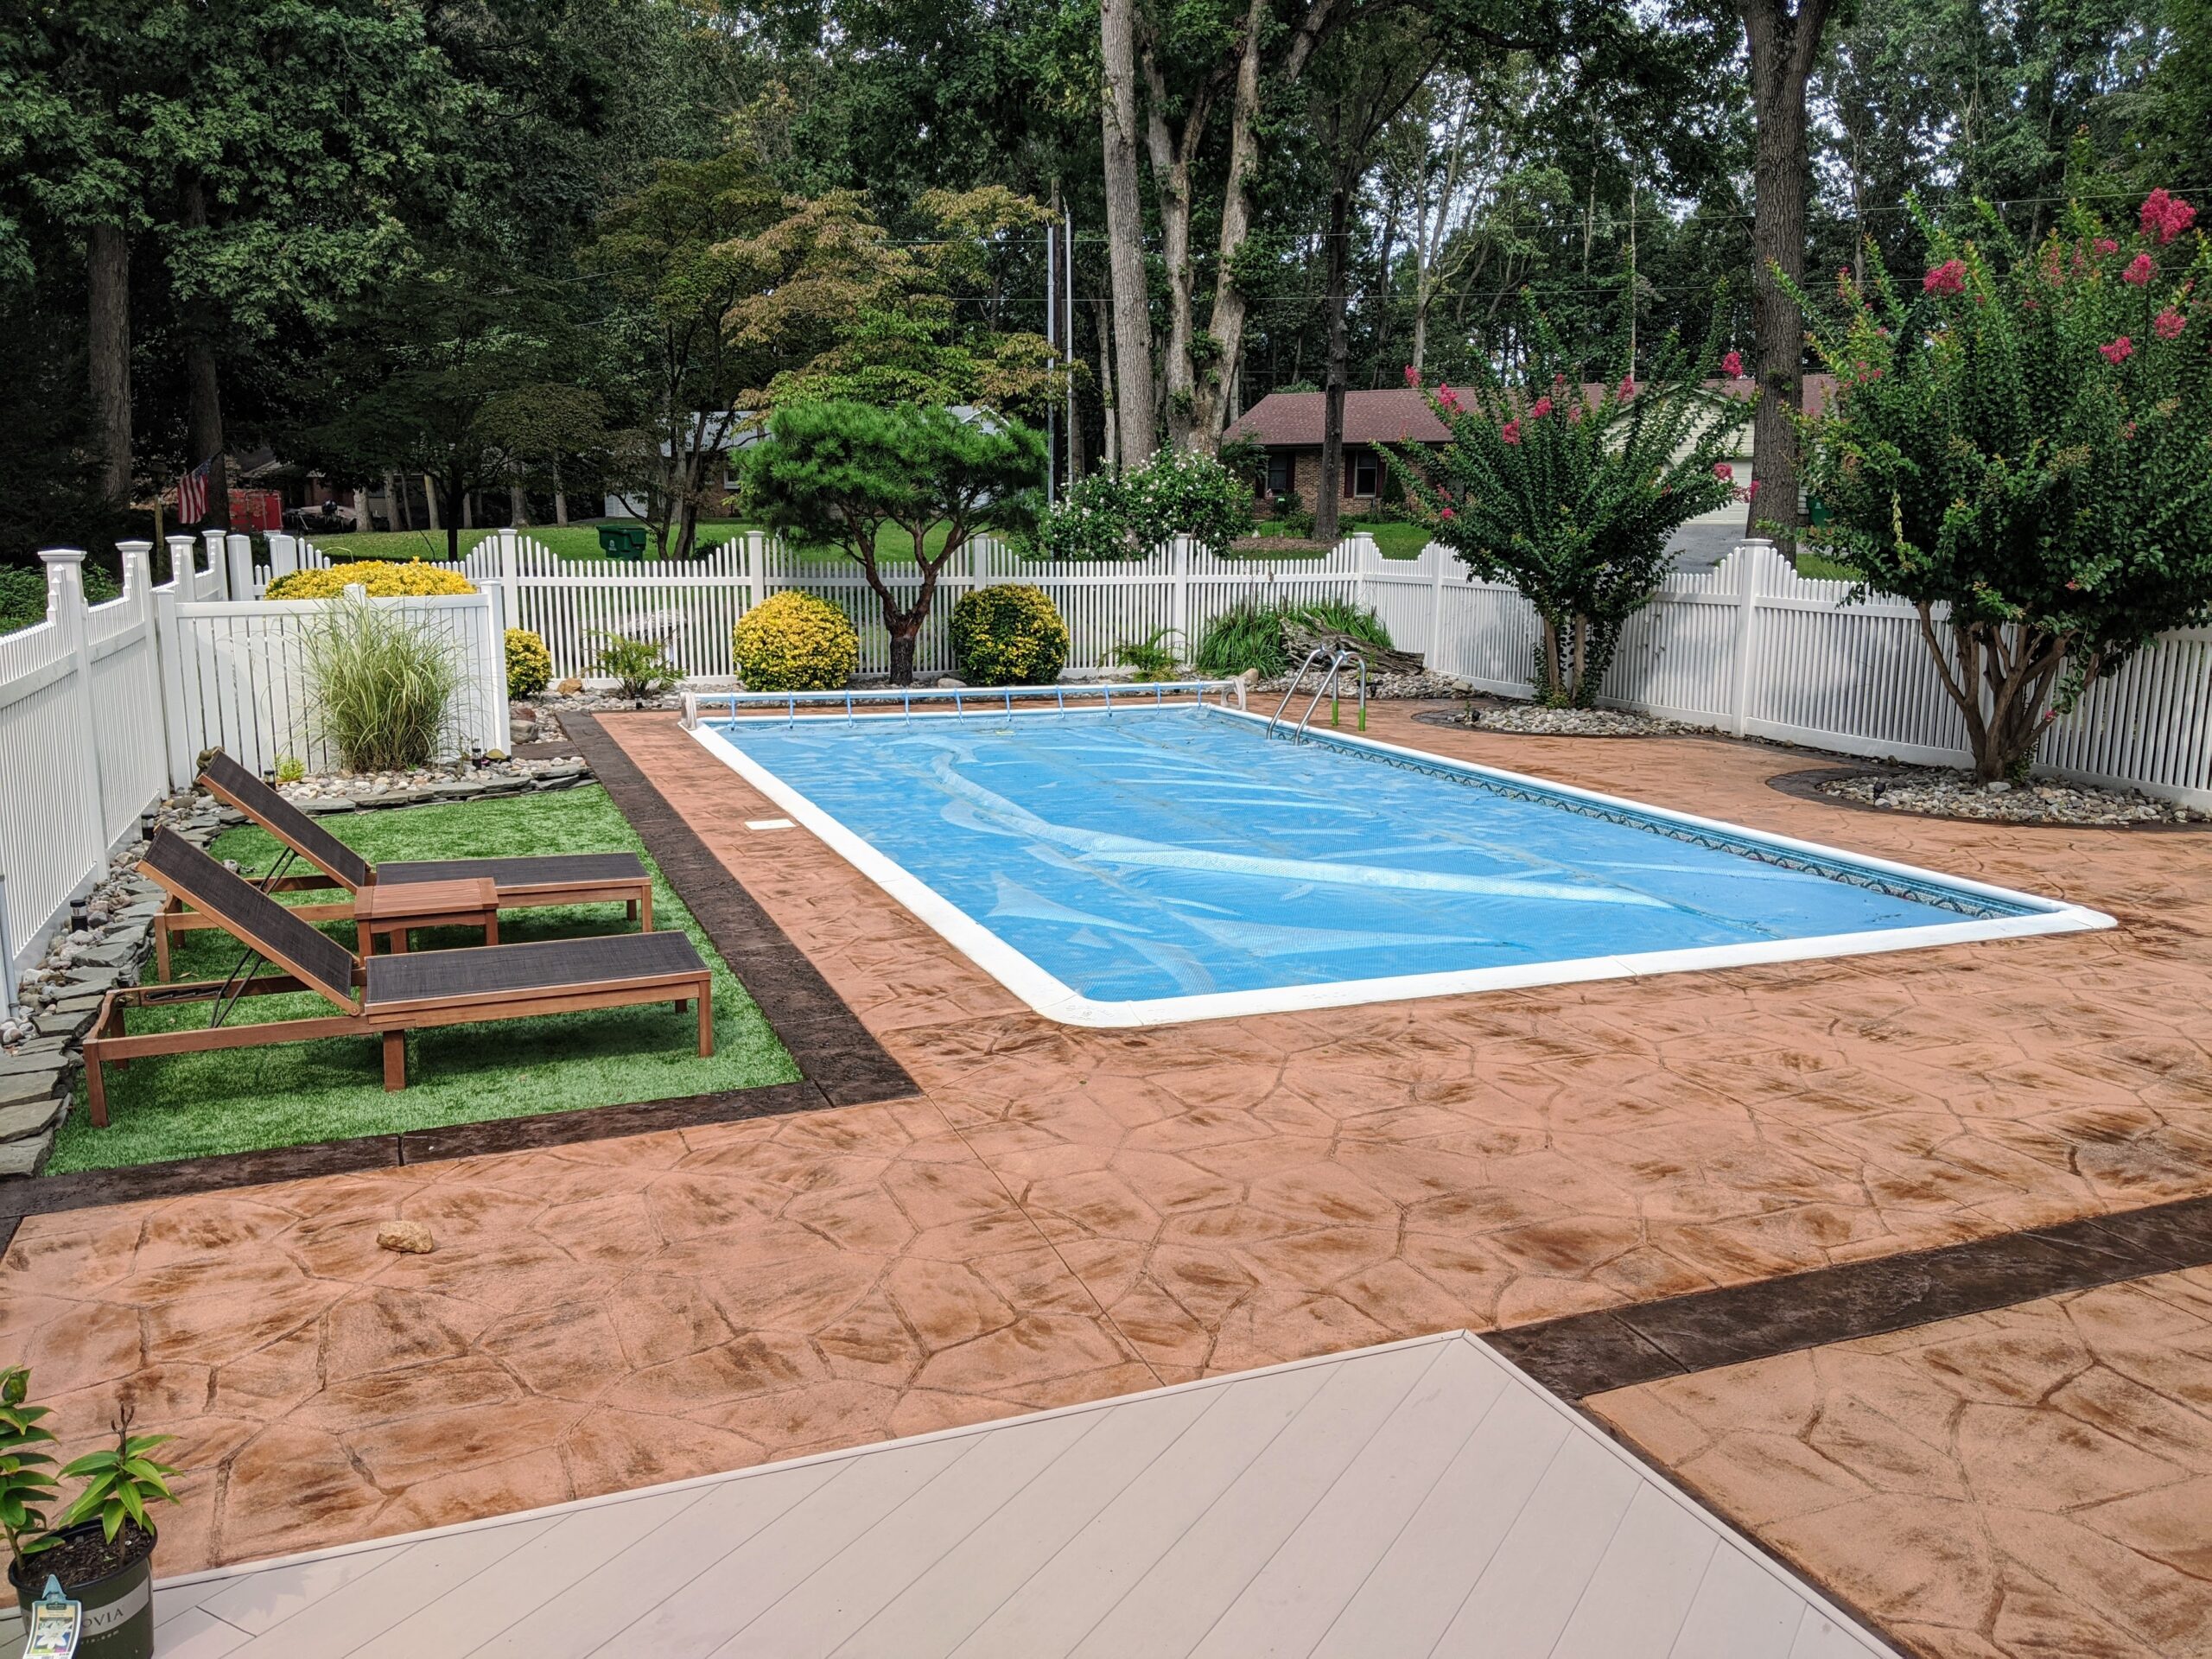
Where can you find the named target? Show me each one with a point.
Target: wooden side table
(393, 910)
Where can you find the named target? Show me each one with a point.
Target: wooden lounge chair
(547, 879)
(385, 996)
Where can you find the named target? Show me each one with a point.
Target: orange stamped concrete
(1065, 1214)
(2030, 1483)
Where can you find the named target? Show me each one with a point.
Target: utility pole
(1051, 337)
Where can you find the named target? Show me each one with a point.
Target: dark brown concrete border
(1804, 785)
(834, 1052)
(1590, 1353)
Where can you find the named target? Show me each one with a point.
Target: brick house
(1287, 425)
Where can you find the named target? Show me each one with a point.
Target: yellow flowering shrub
(383, 578)
(529, 665)
(1009, 634)
(794, 641)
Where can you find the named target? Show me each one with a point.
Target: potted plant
(101, 1550)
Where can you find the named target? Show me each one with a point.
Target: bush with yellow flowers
(383, 578)
(795, 641)
(529, 665)
(1009, 634)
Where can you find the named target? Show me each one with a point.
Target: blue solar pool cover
(1145, 854)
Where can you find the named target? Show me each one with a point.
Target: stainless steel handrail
(1330, 685)
(1291, 690)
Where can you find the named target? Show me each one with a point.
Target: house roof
(1401, 414)
(1394, 415)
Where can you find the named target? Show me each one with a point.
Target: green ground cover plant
(190, 1105)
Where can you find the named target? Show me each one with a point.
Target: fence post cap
(1766, 541)
(62, 555)
(134, 547)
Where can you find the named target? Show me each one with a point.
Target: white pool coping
(1056, 999)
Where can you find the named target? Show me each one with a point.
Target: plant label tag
(55, 1626)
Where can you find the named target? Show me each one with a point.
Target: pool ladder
(1333, 663)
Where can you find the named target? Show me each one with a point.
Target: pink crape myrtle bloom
(1627, 388)
(2166, 216)
(1732, 363)
(1447, 398)
(2167, 324)
(1448, 513)
(1412, 375)
(2119, 352)
(2140, 269)
(1949, 278)
(1722, 470)
(1540, 407)
(2106, 244)
(1510, 432)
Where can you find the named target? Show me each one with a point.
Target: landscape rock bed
(350, 793)
(1427, 685)
(1533, 720)
(1937, 792)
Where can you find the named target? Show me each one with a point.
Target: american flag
(192, 494)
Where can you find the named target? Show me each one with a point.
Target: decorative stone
(19, 1086)
(29, 1117)
(24, 1156)
(408, 1237)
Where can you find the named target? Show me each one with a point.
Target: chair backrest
(251, 916)
(295, 828)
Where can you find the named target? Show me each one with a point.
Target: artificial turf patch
(242, 1100)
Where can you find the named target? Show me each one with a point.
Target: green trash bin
(622, 541)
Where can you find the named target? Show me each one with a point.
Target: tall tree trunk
(1329, 494)
(1784, 44)
(1172, 149)
(203, 383)
(1109, 455)
(431, 501)
(107, 279)
(1225, 324)
(559, 498)
(397, 514)
(1130, 399)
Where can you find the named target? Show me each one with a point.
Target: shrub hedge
(795, 641)
(383, 578)
(1008, 634)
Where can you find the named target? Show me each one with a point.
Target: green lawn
(238, 1100)
(579, 541)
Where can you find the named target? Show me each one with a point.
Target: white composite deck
(1423, 1497)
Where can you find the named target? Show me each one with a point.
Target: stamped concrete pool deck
(1062, 1214)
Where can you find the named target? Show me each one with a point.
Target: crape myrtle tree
(1572, 495)
(2021, 445)
(878, 483)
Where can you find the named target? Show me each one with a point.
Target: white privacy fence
(105, 709)
(1753, 648)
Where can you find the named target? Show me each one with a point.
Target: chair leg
(630, 911)
(492, 928)
(395, 1060)
(706, 1022)
(161, 949)
(645, 908)
(95, 1085)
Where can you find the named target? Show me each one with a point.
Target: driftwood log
(1299, 638)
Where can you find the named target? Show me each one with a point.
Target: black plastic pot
(118, 1606)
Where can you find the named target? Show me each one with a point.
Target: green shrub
(640, 668)
(1009, 634)
(380, 686)
(1251, 636)
(793, 641)
(1177, 492)
(22, 594)
(1149, 658)
(529, 665)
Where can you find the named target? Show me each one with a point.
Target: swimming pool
(1147, 866)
